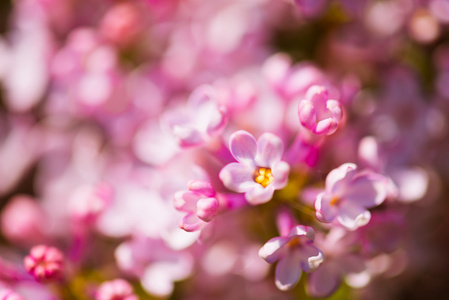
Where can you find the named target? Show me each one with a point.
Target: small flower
(200, 204)
(259, 170)
(317, 113)
(294, 253)
(7, 294)
(203, 119)
(44, 263)
(117, 289)
(348, 194)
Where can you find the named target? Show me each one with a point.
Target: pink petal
(280, 171)
(269, 150)
(186, 200)
(367, 191)
(243, 147)
(273, 250)
(288, 271)
(187, 136)
(257, 194)
(353, 216)
(326, 126)
(202, 187)
(207, 209)
(340, 177)
(237, 177)
(307, 114)
(324, 281)
(217, 120)
(325, 211)
(190, 223)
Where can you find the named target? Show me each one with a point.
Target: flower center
(294, 242)
(334, 201)
(263, 176)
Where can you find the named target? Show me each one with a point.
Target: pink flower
(348, 194)
(203, 118)
(199, 203)
(44, 262)
(117, 289)
(7, 294)
(259, 170)
(294, 253)
(317, 113)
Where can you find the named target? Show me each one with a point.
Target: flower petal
(324, 281)
(186, 200)
(324, 210)
(288, 271)
(273, 250)
(340, 177)
(353, 216)
(243, 147)
(237, 177)
(190, 223)
(257, 194)
(280, 171)
(269, 150)
(307, 114)
(367, 190)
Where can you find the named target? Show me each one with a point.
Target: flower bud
(44, 263)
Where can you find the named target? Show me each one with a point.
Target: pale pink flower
(203, 119)
(294, 253)
(259, 170)
(44, 263)
(317, 113)
(200, 204)
(117, 289)
(349, 194)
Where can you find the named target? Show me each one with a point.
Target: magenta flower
(117, 289)
(294, 253)
(203, 118)
(44, 263)
(348, 195)
(317, 113)
(7, 294)
(199, 203)
(259, 170)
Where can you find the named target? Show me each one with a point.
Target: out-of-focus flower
(311, 8)
(117, 289)
(348, 194)
(44, 263)
(7, 294)
(87, 202)
(294, 253)
(204, 118)
(259, 170)
(200, 204)
(317, 113)
(21, 221)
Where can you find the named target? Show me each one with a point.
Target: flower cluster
(225, 149)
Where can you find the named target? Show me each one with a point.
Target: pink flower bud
(117, 289)
(317, 113)
(44, 262)
(7, 294)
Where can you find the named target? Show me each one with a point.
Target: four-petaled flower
(259, 170)
(200, 204)
(317, 113)
(348, 195)
(294, 253)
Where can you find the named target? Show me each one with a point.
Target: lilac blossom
(349, 194)
(44, 263)
(317, 113)
(294, 253)
(200, 204)
(117, 289)
(204, 118)
(259, 170)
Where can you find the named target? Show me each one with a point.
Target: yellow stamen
(335, 200)
(263, 176)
